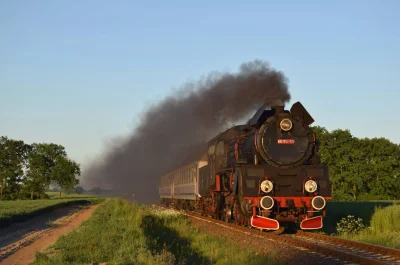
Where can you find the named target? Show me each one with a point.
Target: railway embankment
(120, 232)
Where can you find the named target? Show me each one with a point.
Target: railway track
(371, 254)
(344, 250)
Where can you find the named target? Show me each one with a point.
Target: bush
(350, 225)
(384, 228)
(386, 220)
(79, 190)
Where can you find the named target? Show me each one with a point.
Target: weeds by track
(345, 250)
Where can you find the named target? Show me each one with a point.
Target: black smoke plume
(175, 130)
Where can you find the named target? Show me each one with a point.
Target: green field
(54, 195)
(21, 210)
(123, 233)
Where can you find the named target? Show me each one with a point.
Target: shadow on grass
(162, 238)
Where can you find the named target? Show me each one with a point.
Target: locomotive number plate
(285, 141)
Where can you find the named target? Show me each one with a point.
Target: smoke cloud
(175, 131)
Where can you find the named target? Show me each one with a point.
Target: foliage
(42, 161)
(350, 225)
(386, 219)
(27, 170)
(79, 190)
(123, 233)
(65, 172)
(384, 228)
(12, 160)
(360, 169)
(336, 210)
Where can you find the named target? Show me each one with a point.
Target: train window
(220, 148)
(211, 150)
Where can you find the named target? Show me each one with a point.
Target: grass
(384, 228)
(123, 233)
(54, 195)
(51, 224)
(363, 209)
(22, 210)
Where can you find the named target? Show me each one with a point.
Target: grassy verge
(22, 210)
(338, 210)
(384, 228)
(121, 233)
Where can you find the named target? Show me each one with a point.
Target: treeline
(26, 171)
(360, 169)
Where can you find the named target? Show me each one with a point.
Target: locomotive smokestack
(175, 131)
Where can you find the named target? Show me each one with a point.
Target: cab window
(220, 148)
(211, 150)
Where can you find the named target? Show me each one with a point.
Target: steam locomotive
(265, 174)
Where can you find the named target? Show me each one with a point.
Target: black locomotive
(264, 173)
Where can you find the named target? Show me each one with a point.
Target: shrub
(386, 220)
(350, 225)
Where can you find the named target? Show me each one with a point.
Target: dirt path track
(19, 242)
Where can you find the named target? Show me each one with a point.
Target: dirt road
(20, 241)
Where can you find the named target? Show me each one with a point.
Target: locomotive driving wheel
(218, 204)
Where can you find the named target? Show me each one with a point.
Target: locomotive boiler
(266, 174)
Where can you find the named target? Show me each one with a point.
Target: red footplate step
(311, 223)
(264, 223)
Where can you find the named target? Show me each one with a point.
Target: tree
(360, 168)
(12, 161)
(65, 172)
(96, 190)
(41, 161)
(383, 159)
(79, 190)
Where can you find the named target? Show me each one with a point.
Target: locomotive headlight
(286, 124)
(266, 186)
(310, 185)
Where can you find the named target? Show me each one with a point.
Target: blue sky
(79, 73)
